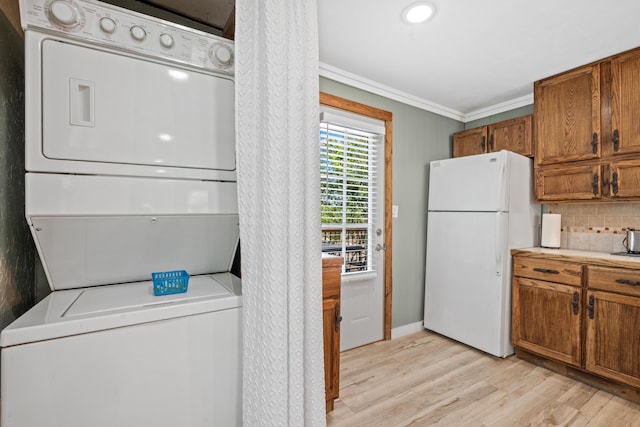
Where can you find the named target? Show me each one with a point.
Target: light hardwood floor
(425, 379)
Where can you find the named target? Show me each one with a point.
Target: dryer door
(129, 115)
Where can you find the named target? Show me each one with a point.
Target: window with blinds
(348, 182)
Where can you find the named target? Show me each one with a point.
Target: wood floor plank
(425, 379)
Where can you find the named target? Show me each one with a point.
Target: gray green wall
(418, 137)
(518, 112)
(17, 252)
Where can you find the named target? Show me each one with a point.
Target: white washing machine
(130, 159)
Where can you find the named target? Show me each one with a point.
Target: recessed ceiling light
(417, 13)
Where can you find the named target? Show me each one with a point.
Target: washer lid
(99, 230)
(125, 297)
(80, 311)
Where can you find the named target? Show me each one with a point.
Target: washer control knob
(138, 33)
(221, 55)
(108, 25)
(166, 40)
(63, 13)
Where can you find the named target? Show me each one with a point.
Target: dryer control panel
(99, 23)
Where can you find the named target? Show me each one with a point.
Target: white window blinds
(348, 180)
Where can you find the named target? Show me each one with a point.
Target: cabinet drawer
(618, 280)
(548, 270)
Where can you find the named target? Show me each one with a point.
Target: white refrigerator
(480, 207)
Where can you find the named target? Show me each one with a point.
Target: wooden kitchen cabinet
(576, 182)
(613, 315)
(624, 179)
(331, 318)
(546, 309)
(470, 142)
(567, 116)
(579, 315)
(512, 135)
(625, 103)
(589, 118)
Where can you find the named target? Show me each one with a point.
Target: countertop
(600, 258)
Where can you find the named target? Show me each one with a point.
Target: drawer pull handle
(591, 306)
(628, 282)
(546, 270)
(574, 302)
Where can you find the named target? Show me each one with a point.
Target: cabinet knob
(483, 143)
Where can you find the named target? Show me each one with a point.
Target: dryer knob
(138, 33)
(63, 13)
(166, 40)
(221, 55)
(108, 25)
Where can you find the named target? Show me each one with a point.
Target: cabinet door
(567, 116)
(513, 135)
(569, 183)
(470, 142)
(625, 103)
(546, 319)
(624, 179)
(612, 340)
(331, 332)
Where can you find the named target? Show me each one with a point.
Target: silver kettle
(632, 242)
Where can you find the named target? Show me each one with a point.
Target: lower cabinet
(331, 318)
(613, 324)
(583, 314)
(545, 320)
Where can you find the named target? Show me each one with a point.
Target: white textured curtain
(279, 201)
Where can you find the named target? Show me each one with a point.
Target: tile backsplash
(596, 226)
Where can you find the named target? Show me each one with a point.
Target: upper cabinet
(512, 135)
(625, 103)
(567, 111)
(587, 132)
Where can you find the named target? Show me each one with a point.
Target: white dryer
(130, 159)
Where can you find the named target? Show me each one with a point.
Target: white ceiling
(472, 58)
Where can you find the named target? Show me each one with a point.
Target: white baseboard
(403, 330)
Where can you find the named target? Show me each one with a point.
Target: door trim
(386, 116)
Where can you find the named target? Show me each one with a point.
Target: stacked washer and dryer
(130, 160)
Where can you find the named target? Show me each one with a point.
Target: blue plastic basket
(170, 282)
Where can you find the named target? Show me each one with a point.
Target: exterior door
(362, 292)
(352, 201)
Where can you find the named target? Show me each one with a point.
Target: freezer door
(471, 183)
(467, 292)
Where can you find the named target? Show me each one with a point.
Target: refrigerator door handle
(498, 244)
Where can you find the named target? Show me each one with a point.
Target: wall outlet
(394, 211)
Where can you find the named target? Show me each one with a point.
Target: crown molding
(359, 82)
(332, 73)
